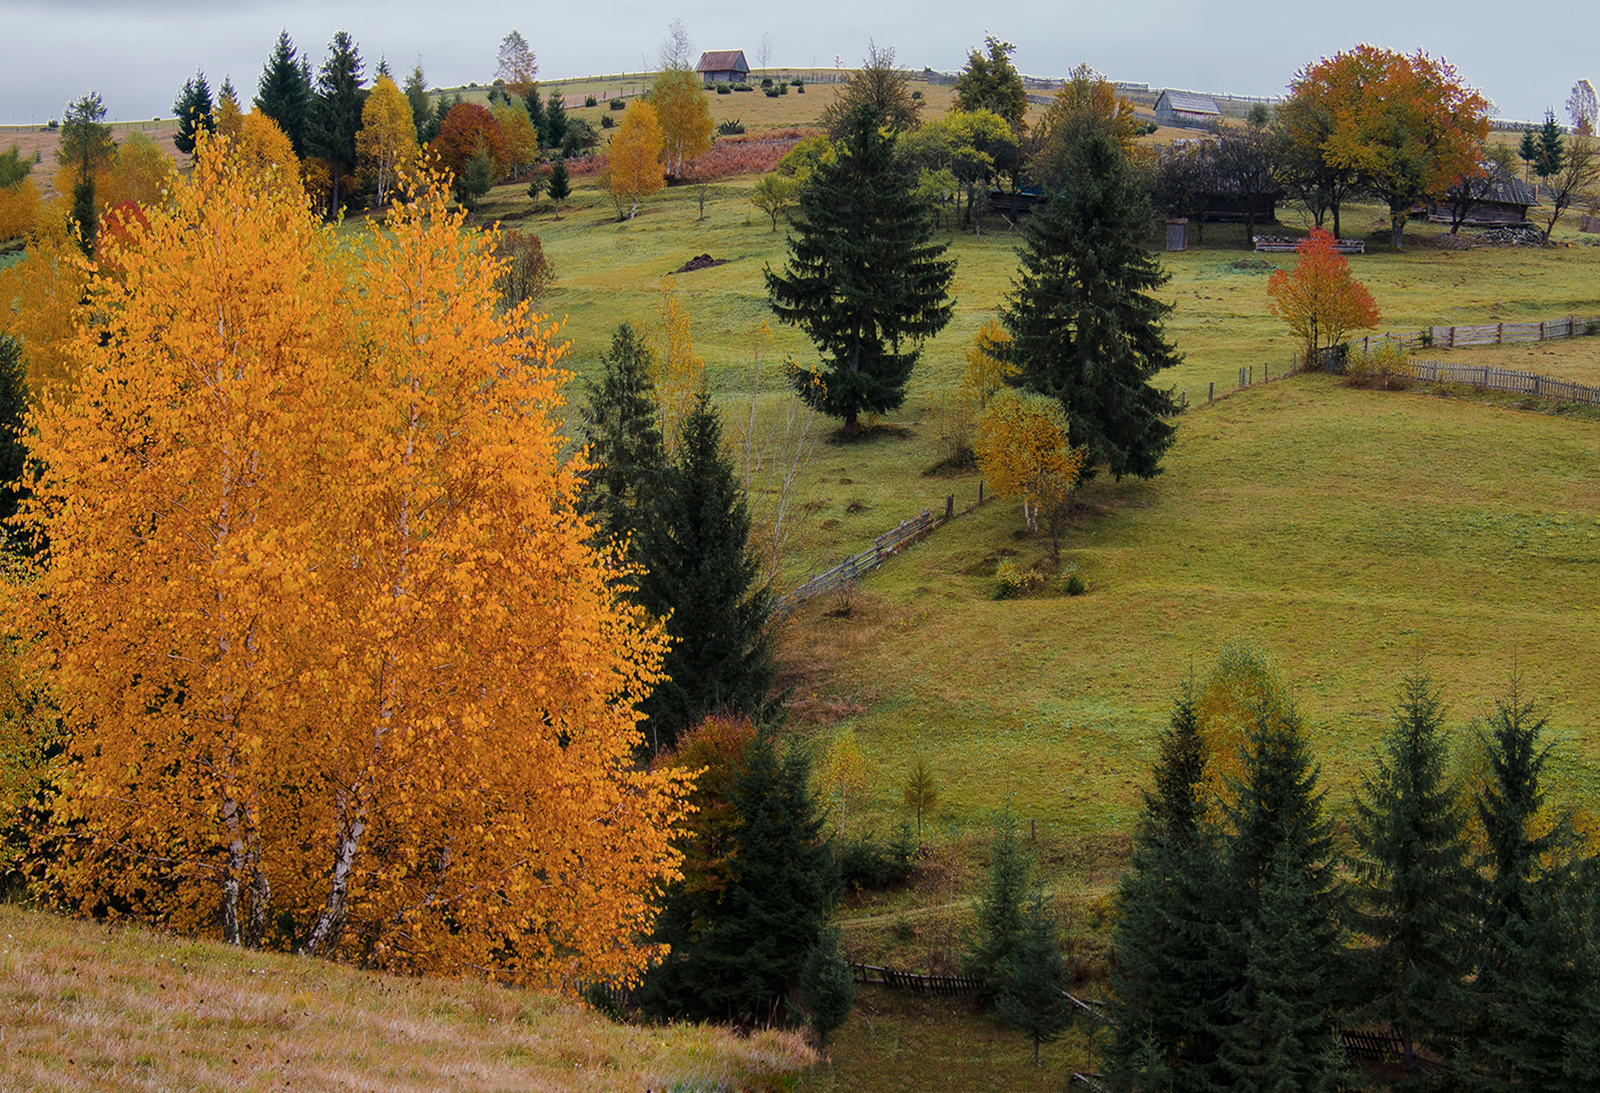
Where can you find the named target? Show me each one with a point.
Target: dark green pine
(864, 278)
(625, 451)
(1083, 324)
(335, 116)
(1411, 876)
(702, 577)
(284, 93)
(193, 109)
(735, 953)
(1034, 999)
(1164, 992)
(997, 934)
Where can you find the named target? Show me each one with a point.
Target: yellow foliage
(521, 138)
(635, 159)
(339, 667)
(1023, 448)
(677, 373)
(988, 362)
(1244, 688)
(684, 115)
(844, 771)
(386, 146)
(140, 173)
(42, 300)
(19, 209)
(264, 151)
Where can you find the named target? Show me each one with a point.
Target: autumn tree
(468, 130)
(635, 160)
(284, 93)
(386, 146)
(359, 586)
(13, 449)
(193, 108)
(972, 148)
(515, 65)
(880, 85)
(1023, 449)
(676, 52)
(1576, 176)
(139, 173)
(335, 114)
(684, 116)
(47, 289)
(1407, 125)
(864, 278)
(1302, 126)
(265, 152)
(19, 197)
(1085, 327)
(989, 81)
(1319, 299)
(921, 791)
(520, 137)
(1087, 103)
(229, 115)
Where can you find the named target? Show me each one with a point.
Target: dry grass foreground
(86, 1006)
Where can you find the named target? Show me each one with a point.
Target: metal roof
(723, 60)
(1190, 103)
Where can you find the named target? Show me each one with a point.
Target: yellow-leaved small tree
(635, 160)
(338, 669)
(1023, 450)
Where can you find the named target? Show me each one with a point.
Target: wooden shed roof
(1190, 103)
(723, 60)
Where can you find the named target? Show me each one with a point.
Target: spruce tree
(284, 93)
(416, 90)
(701, 576)
(1411, 875)
(1084, 327)
(1163, 993)
(1278, 869)
(560, 184)
(335, 116)
(992, 952)
(736, 950)
(534, 104)
(1552, 151)
(554, 133)
(626, 454)
(193, 108)
(86, 147)
(1034, 997)
(864, 279)
(827, 987)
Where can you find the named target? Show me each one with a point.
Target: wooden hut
(723, 65)
(1496, 200)
(1187, 109)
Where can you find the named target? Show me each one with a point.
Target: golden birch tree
(635, 160)
(339, 670)
(684, 116)
(676, 372)
(1023, 450)
(386, 146)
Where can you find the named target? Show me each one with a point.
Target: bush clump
(589, 100)
(1013, 580)
(865, 864)
(733, 127)
(724, 87)
(617, 104)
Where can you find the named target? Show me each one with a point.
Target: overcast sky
(137, 54)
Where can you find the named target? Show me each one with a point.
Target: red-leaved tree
(1319, 299)
(465, 132)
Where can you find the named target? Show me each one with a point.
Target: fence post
(1241, 377)
(1211, 394)
(1252, 375)
(1500, 334)
(950, 506)
(980, 491)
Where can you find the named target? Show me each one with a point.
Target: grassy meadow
(1352, 534)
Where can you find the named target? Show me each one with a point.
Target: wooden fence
(1483, 377)
(1449, 337)
(945, 986)
(885, 546)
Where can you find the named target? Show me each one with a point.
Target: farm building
(1499, 199)
(1186, 108)
(723, 64)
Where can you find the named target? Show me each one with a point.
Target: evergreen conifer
(864, 279)
(992, 953)
(701, 576)
(626, 454)
(193, 109)
(1084, 327)
(1411, 875)
(335, 115)
(554, 133)
(1034, 998)
(827, 987)
(284, 93)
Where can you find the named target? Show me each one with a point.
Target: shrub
(607, 121)
(1075, 586)
(529, 273)
(742, 87)
(724, 87)
(617, 104)
(797, 82)
(766, 83)
(916, 95)
(772, 92)
(866, 864)
(589, 100)
(730, 128)
(1014, 581)
(1381, 365)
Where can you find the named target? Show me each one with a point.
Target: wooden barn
(1499, 199)
(1187, 109)
(724, 65)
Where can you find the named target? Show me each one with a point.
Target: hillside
(93, 1007)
